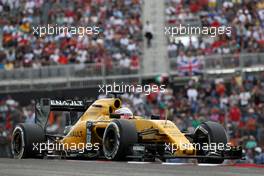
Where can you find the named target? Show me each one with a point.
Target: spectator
(244, 97)
(148, 33)
(192, 94)
(259, 158)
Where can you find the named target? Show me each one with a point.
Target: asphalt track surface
(29, 167)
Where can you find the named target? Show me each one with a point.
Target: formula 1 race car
(101, 133)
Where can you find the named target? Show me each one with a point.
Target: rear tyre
(119, 135)
(23, 138)
(216, 136)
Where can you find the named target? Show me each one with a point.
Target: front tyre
(119, 135)
(24, 139)
(210, 134)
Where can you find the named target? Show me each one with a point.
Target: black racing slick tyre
(216, 136)
(25, 138)
(119, 135)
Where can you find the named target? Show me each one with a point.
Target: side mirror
(67, 129)
(115, 116)
(155, 117)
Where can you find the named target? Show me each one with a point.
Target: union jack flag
(189, 67)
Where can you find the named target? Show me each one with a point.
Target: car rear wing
(45, 105)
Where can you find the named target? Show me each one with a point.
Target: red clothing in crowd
(235, 114)
(195, 7)
(218, 44)
(69, 13)
(220, 89)
(8, 125)
(215, 24)
(152, 97)
(63, 59)
(23, 42)
(134, 63)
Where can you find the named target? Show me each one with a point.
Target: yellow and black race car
(101, 132)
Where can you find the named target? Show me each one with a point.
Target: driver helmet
(125, 113)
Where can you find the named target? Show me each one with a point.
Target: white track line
(210, 165)
(139, 162)
(178, 164)
(82, 161)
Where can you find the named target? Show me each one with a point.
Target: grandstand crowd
(119, 42)
(246, 17)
